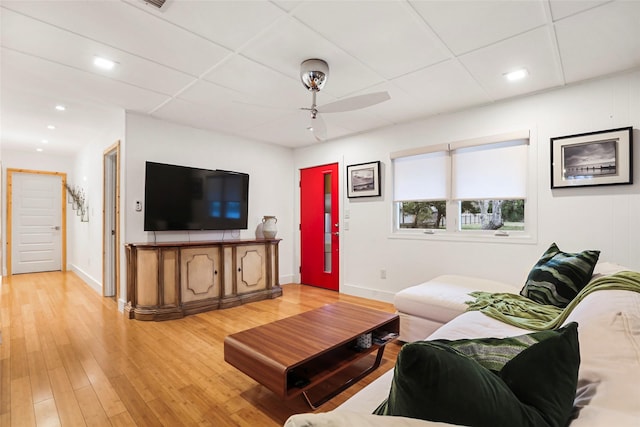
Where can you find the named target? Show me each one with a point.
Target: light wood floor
(68, 357)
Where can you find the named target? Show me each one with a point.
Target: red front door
(319, 253)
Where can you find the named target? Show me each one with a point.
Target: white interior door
(36, 223)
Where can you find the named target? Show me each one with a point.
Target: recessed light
(51, 127)
(39, 150)
(60, 107)
(104, 63)
(516, 74)
(45, 141)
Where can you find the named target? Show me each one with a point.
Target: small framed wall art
(595, 158)
(363, 180)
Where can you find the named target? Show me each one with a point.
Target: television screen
(185, 198)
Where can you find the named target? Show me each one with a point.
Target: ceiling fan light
(314, 73)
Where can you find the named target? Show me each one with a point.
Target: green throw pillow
(558, 276)
(535, 385)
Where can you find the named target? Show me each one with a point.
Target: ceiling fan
(314, 74)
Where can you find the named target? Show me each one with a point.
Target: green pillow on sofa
(558, 276)
(533, 384)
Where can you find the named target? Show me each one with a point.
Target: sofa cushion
(443, 297)
(533, 384)
(558, 276)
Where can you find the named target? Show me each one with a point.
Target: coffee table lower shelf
(292, 356)
(346, 384)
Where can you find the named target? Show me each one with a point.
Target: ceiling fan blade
(318, 128)
(355, 102)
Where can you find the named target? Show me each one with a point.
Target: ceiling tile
(228, 23)
(201, 116)
(600, 41)
(389, 37)
(286, 46)
(138, 32)
(261, 85)
(443, 87)
(533, 51)
(45, 41)
(287, 4)
(230, 107)
(467, 25)
(65, 84)
(563, 8)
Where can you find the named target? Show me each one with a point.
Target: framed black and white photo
(363, 180)
(595, 158)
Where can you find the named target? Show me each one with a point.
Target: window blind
(421, 177)
(490, 171)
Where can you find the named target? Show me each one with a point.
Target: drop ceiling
(233, 66)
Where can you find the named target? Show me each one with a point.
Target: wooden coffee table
(292, 355)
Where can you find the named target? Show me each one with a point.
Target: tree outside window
(492, 215)
(426, 215)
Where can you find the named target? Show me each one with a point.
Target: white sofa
(425, 307)
(608, 392)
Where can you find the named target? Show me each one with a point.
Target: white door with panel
(36, 218)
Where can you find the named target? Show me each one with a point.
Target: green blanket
(524, 313)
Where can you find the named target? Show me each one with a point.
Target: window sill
(519, 238)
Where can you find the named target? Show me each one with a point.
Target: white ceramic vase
(269, 228)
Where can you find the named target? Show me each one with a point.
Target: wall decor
(363, 180)
(77, 200)
(594, 158)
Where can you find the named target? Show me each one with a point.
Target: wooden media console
(171, 280)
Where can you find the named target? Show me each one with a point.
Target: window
(505, 215)
(467, 186)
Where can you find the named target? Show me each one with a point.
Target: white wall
(85, 251)
(270, 169)
(576, 218)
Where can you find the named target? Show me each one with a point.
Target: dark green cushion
(436, 381)
(558, 276)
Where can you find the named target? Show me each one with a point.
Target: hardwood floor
(68, 357)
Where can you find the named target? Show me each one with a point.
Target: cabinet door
(251, 261)
(199, 273)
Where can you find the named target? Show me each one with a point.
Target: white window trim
(528, 236)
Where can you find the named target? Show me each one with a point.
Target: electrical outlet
(138, 206)
(383, 274)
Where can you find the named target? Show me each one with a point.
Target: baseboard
(287, 279)
(90, 281)
(359, 291)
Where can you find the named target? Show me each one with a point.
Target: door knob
(55, 227)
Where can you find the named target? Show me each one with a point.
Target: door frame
(113, 183)
(63, 213)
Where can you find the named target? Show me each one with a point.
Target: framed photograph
(363, 180)
(595, 158)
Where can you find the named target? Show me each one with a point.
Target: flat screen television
(184, 198)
